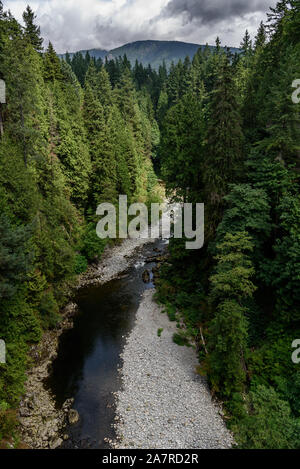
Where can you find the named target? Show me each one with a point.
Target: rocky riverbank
(42, 424)
(164, 403)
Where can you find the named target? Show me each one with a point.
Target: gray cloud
(73, 25)
(210, 11)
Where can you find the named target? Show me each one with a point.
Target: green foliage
(8, 421)
(67, 146)
(90, 245)
(248, 210)
(224, 138)
(78, 132)
(15, 258)
(52, 65)
(181, 147)
(81, 264)
(242, 291)
(234, 269)
(32, 32)
(269, 424)
(227, 340)
(12, 375)
(49, 310)
(180, 340)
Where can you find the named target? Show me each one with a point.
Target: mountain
(155, 52)
(152, 52)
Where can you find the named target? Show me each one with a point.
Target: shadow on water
(88, 358)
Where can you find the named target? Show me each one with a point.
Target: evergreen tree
(246, 44)
(15, 257)
(261, 37)
(228, 331)
(32, 31)
(104, 90)
(101, 150)
(52, 65)
(223, 159)
(182, 131)
(22, 72)
(162, 106)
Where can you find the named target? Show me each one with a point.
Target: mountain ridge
(152, 52)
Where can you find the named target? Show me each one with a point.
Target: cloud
(73, 25)
(211, 11)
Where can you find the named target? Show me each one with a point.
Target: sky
(73, 25)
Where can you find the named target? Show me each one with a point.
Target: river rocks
(70, 309)
(56, 443)
(73, 416)
(115, 260)
(151, 259)
(164, 403)
(40, 421)
(146, 276)
(67, 404)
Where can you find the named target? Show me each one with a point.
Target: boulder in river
(73, 416)
(146, 276)
(56, 443)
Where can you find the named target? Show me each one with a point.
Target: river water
(88, 358)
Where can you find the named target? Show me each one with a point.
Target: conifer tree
(104, 90)
(21, 68)
(173, 84)
(104, 169)
(261, 37)
(230, 285)
(124, 153)
(246, 44)
(224, 139)
(91, 78)
(32, 31)
(52, 65)
(162, 106)
(182, 131)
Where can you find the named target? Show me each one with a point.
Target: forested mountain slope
(65, 149)
(231, 138)
(151, 52)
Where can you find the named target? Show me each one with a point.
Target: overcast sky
(75, 24)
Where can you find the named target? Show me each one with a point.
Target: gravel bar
(163, 403)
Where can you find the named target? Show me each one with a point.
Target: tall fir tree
(32, 31)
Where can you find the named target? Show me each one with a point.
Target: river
(88, 360)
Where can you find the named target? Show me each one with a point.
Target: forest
(221, 130)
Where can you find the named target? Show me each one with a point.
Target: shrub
(92, 247)
(81, 264)
(181, 340)
(269, 424)
(8, 421)
(49, 310)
